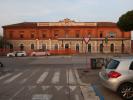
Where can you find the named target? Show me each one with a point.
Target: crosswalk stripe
(42, 77)
(45, 87)
(77, 97)
(72, 87)
(58, 87)
(2, 77)
(13, 78)
(70, 77)
(25, 79)
(56, 77)
(41, 97)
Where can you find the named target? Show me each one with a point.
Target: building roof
(65, 22)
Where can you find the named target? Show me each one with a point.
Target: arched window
(32, 46)
(89, 47)
(112, 47)
(56, 46)
(21, 47)
(44, 47)
(101, 47)
(77, 47)
(66, 46)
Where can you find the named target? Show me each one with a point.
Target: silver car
(118, 77)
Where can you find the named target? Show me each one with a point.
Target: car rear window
(113, 64)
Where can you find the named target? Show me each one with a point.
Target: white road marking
(4, 76)
(72, 87)
(19, 91)
(25, 79)
(42, 77)
(45, 87)
(70, 78)
(13, 78)
(77, 97)
(58, 87)
(56, 77)
(32, 87)
(41, 97)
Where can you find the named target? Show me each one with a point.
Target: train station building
(91, 37)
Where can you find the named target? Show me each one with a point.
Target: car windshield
(112, 64)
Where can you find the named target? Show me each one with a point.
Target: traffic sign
(86, 40)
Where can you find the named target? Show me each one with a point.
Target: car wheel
(126, 91)
(10, 55)
(22, 55)
(34, 54)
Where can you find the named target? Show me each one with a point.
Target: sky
(16, 11)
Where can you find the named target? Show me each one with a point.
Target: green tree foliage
(125, 22)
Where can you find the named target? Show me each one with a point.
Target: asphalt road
(43, 78)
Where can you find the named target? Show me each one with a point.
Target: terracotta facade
(68, 34)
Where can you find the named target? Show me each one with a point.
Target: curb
(86, 89)
(98, 93)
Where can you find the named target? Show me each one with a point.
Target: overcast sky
(15, 11)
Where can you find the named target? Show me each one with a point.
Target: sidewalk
(88, 77)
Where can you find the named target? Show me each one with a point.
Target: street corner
(88, 76)
(87, 90)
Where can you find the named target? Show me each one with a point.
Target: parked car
(17, 54)
(118, 76)
(40, 53)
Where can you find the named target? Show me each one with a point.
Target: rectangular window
(21, 35)
(101, 34)
(43, 35)
(11, 35)
(77, 35)
(113, 64)
(112, 34)
(55, 34)
(131, 66)
(32, 35)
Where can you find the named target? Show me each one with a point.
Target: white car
(17, 54)
(118, 77)
(40, 53)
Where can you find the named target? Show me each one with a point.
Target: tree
(125, 22)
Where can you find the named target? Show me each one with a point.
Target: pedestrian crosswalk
(40, 84)
(39, 77)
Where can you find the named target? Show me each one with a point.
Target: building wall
(13, 35)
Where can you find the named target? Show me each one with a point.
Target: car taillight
(113, 74)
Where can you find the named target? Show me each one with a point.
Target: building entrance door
(66, 46)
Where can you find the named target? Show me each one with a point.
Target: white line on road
(41, 97)
(45, 87)
(72, 87)
(56, 77)
(13, 78)
(2, 77)
(58, 87)
(25, 79)
(77, 97)
(70, 78)
(42, 77)
(20, 90)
